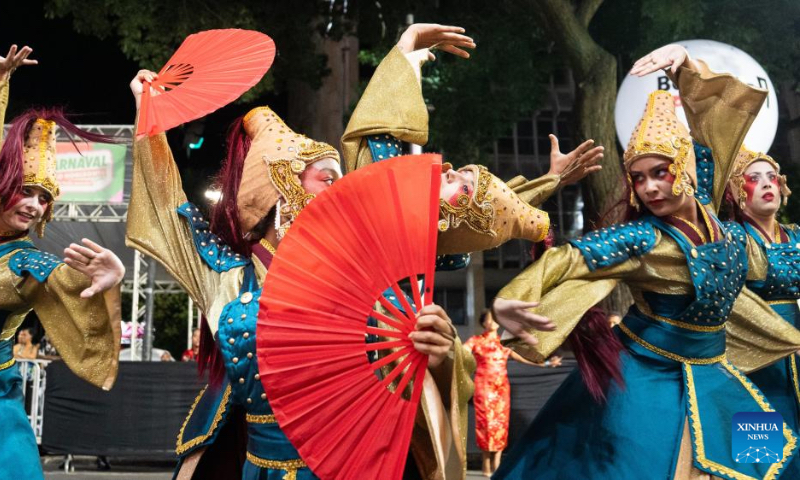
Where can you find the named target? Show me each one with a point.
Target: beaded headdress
(660, 133)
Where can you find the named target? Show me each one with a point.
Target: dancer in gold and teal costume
(270, 174)
(78, 302)
(665, 408)
(478, 212)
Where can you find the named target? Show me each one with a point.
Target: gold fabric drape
(155, 229)
(392, 104)
(3, 105)
(86, 332)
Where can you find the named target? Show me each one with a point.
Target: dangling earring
(633, 202)
(742, 199)
(278, 230)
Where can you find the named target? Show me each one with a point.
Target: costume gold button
(241, 380)
(263, 396)
(231, 341)
(249, 354)
(249, 400)
(247, 297)
(257, 376)
(694, 253)
(230, 320)
(235, 359)
(246, 335)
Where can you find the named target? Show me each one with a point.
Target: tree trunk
(594, 116)
(595, 73)
(320, 113)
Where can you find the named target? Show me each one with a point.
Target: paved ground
(86, 469)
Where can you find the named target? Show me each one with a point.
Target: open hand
(103, 268)
(14, 59)
(670, 56)
(575, 165)
(516, 317)
(431, 35)
(433, 335)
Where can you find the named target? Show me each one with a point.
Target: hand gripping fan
(209, 70)
(374, 229)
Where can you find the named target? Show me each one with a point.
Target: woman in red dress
(492, 391)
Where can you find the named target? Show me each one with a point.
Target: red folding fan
(209, 70)
(374, 229)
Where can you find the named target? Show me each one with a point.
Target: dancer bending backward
(269, 175)
(478, 212)
(663, 406)
(78, 303)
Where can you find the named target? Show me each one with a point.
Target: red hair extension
(225, 214)
(597, 350)
(14, 145)
(730, 206)
(209, 358)
(537, 249)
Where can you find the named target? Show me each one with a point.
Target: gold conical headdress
(39, 164)
(492, 216)
(660, 133)
(272, 169)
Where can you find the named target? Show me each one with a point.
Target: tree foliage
(149, 31)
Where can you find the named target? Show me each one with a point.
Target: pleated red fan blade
(372, 230)
(209, 70)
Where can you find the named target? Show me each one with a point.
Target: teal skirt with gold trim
(637, 432)
(779, 382)
(19, 455)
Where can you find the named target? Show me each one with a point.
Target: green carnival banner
(95, 172)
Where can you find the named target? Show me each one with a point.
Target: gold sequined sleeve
(86, 332)
(756, 336)
(535, 192)
(154, 227)
(720, 109)
(392, 104)
(757, 262)
(566, 288)
(3, 105)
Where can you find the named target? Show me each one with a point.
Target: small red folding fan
(370, 231)
(209, 70)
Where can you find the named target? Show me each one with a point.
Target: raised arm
(719, 107)
(162, 225)
(392, 108)
(565, 169)
(13, 60)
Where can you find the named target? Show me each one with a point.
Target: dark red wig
(225, 214)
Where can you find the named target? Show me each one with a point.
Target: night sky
(89, 77)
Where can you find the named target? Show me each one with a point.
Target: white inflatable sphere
(721, 58)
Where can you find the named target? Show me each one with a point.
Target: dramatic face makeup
(456, 183)
(652, 183)
(24, 210)
(763, 190)
(316, 178)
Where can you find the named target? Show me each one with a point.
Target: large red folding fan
(372, 230)
(209, 70)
